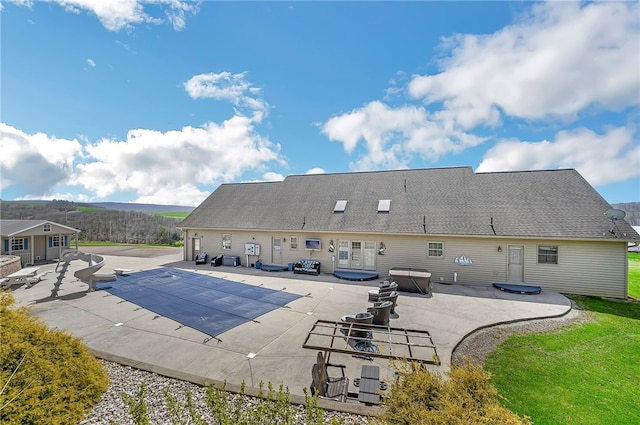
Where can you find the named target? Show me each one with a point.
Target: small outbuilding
(36, 241)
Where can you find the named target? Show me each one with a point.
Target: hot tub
(411, 280)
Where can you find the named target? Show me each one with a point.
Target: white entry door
(516, 263)
(195, 248)
(276, 250)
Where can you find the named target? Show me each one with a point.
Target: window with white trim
(18, 244)
(547, 254)
(226, 241)
(55, 241)
(435, 249)
(293, 242)
(46, 227)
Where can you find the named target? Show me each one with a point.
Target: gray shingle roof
(13, 227)
(442, 201)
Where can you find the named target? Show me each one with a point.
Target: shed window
(293, 242)
(19, 244)
(435, 249)
(55, 241)
(226, 241)
(547, 254)
(46, 227)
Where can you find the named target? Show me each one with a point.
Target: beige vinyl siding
(587, 268)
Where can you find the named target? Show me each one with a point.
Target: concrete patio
(121, 331)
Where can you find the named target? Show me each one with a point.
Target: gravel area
(480, 343)
(112, 410)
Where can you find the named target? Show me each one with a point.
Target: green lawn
(89, 209)
(586, 374)
(172, 214)
(634, 275)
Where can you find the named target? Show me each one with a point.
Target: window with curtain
(226, 241)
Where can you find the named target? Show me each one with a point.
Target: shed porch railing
(25, 258)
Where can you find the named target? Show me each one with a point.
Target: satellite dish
(614, 214)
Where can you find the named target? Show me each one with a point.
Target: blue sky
(162, 101)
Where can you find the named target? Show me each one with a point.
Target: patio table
(21, 276)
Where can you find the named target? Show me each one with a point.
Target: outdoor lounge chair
(380, 311)
(383, 290)
(353, 324)
(393, 297)
(334, 388)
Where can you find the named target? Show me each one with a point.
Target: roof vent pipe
(424, 223)
(492, 228)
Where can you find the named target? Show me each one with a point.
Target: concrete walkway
(119, 330)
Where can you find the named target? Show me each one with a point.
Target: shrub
(47, 376)
(467, 397)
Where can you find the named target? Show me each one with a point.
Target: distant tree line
(96, 224)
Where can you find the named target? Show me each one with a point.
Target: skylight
(340, 206)
(384, 205)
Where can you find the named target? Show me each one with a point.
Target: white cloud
(35, 163)
(168, 167)
(115, 15)
(601, 159)
(564, 58)
(391, 136)
(272, 177)
(316, 170)
(24, 3)
(91, 62)
(230, 87)
(175, 167)
(561, 60)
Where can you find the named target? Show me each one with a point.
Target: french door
(355, 254)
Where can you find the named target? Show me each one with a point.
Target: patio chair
(393, 297)
(334, 388)
(387, 284)
(353, 324)
(380, 311)
(383, 290)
